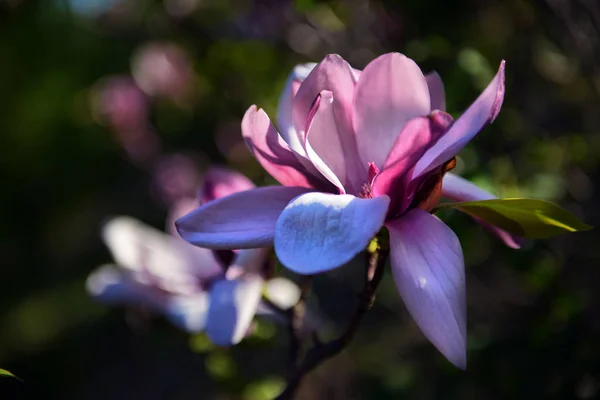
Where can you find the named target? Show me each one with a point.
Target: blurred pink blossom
(191, 286)
(163, 69)
(176, 176)
(118, 103)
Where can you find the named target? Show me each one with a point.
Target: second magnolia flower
(359, 150)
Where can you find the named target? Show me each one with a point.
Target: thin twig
(321, 352)
(296, 318)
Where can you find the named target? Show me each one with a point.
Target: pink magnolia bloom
(193, 287)
(356, 151)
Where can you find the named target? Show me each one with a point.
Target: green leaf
(4, 372)
(530, 218)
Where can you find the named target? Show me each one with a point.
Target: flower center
(365, 191)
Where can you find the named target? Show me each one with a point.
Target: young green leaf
(530, 218)
(4, 372)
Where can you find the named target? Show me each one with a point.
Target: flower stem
(321, 352)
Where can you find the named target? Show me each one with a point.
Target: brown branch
(321, 352)
(296, 318)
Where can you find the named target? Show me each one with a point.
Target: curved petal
(241, 221)
(188, 313)
(156, 258)
(335, 75)
(436, 91)
(284, 108)
(318, 232)
(232, 307)
(390, 92)
(414, 140)
(428, 269)
(459, 189)
(325, 151)
(273, 152)
(221, 182)
(479, 115)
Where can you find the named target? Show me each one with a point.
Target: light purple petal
(248, 260)
(221, 182)
(428, 269)
(390, 92)
(273, 152)
(412, 143)
(284, 108)
(188, 313)
(158, 259)
(479, 115)
(436, 91)
(232, 307)
(110, 285)
(459, 189)
(318, 232)
(243, 220)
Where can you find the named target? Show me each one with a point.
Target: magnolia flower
(358, 151)
(191, 286)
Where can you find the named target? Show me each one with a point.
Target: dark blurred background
(103, 101)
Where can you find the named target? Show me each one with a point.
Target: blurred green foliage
(533, 313)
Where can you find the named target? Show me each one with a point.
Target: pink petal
(334, 75)
(390, 92)
(318, 232)
(284, 115)
(272, 151)
(232, 307)
(240, 221)
(436, 91)
(428, 269)
(323, 144)
(411, 144)
(459, 189)
(479, 115)
(284, 108)
(221, 182)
